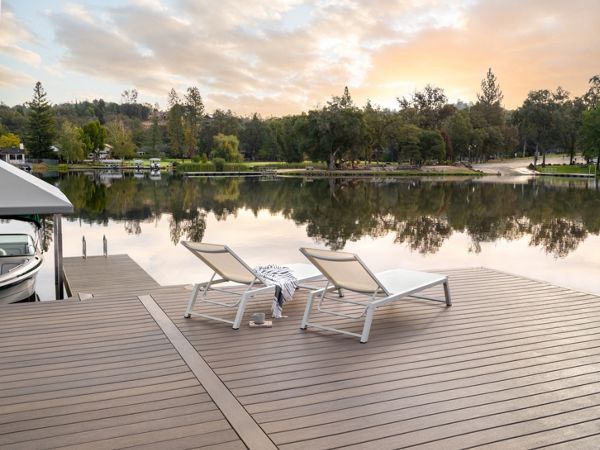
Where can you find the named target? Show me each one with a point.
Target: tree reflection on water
(421, 214)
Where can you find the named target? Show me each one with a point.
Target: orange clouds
(529, 45)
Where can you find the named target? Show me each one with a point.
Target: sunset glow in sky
(285, 56)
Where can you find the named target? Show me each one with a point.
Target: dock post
(58, 257)
(104, 246)
(84, 247)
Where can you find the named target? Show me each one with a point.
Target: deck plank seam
(239, 418)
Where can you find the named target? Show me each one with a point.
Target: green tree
(427, 108)
(155, 136)
(119, 136)
(590, 133)
(537, 117)
(568, 116)
(9, 140)
(40, 125)
(175, 125)
(336, 132)
(224, 122)
(491, 94)
(93, 136)
(431, 146)
(13, 119)
(409, 145)
(380, 126)
(287, 137)
(592, 97)
(226, 147)
(253, 137)
(71, 147)
(459, 129)
(193, 114)
(488, 116)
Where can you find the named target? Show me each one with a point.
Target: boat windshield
(16, 245)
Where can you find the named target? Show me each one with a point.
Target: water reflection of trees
(422, 215)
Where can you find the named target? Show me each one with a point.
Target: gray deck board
(118, 273)
(489, 370)
(99, 374)
(515, 363)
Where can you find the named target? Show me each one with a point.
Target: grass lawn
(567, 169)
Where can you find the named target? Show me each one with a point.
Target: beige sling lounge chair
(231, 268)
(346, 271)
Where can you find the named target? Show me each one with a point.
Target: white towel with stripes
(285, 285)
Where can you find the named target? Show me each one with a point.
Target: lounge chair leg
(240, 312)
(447, 294)
(367, 326)
(340, 293)
(192, 301)
(309, 303)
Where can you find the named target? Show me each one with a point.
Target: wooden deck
(97, 275)
(99, 374)
(515, 363)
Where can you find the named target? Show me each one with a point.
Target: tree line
(425, 128)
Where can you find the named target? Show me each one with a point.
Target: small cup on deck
(258, 318)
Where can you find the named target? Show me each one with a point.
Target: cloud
(288, 55)
(10, 78)
(13, 35)
(544, 45)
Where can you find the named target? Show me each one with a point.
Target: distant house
(105, 153)
(13, 155)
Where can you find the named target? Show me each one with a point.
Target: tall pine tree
(175, 125)
(491, 94)
(40, 125)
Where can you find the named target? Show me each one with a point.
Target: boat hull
(18, 284)
(22, 290)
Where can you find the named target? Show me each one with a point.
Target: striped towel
(285, 285)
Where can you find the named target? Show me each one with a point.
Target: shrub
(234, 167)
(195, 167)
(219, 164)
(226, 147)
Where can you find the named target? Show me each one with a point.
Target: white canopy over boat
(24, 194)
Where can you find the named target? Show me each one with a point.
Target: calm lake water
(544, 229)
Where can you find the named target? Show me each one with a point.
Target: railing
(104, 247)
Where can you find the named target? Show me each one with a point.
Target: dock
(85, 277)
(515, 363)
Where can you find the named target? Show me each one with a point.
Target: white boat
(154, 163)
(20, 261)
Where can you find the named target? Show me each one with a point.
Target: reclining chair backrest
(344, 270)
(223, 261)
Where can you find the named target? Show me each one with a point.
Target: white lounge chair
(347, 271)
(231, 268)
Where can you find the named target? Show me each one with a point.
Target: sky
(278, 57)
